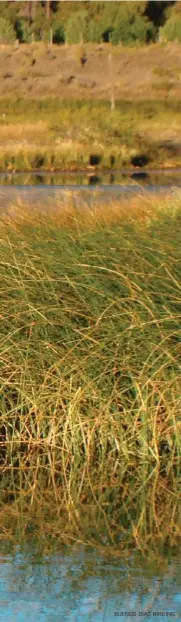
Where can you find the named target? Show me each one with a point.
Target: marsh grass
(53, 134)
(90, 362)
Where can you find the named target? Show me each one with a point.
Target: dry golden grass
(26, 131)
(90, 380)
(74, 213)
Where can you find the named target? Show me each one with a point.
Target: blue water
(82, 585)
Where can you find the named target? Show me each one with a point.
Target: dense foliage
(69, 22)
(7, 33)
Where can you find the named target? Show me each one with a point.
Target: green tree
(75, 29)
(133, 29)
(40, 24)
(171, 31)
(93, 31)
(58, 33)
(156, 11)
(125, 22)
(23, 30)
(7, 32)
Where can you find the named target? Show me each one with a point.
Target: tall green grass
(90, 368)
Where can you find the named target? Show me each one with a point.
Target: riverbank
(51, 120)
(70, 135)
(90, 372)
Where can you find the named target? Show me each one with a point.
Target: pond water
(163, 177)
(81, 584)
(44, 189)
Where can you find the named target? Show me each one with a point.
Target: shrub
(58, 34)
(7, 32)
(23, 31)
(75, 29)
(125, 22)
(171, 31)
(41, 26)
(132, 29)
(93, 32)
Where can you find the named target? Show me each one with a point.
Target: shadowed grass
(90, 362)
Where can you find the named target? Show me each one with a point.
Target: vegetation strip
(66, 23)
(70, 135)
(90, 369)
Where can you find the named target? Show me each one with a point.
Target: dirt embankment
(85, 71)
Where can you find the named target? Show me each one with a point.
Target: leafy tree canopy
(126, 21)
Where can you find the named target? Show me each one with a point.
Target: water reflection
(94, 180)
(163, 177)
(141, 176)
(83, 585)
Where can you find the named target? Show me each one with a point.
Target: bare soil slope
(84, 71)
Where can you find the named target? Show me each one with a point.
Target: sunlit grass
(53, 134)
(90, 367)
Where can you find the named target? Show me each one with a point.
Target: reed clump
(90, 362)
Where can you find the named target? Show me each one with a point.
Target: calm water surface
(163, 177)
(45, 188)
(82, 585)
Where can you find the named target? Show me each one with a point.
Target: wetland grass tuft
(90, 370)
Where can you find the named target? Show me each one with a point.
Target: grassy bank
(54, 134)
(55, 112)
(90, 371)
